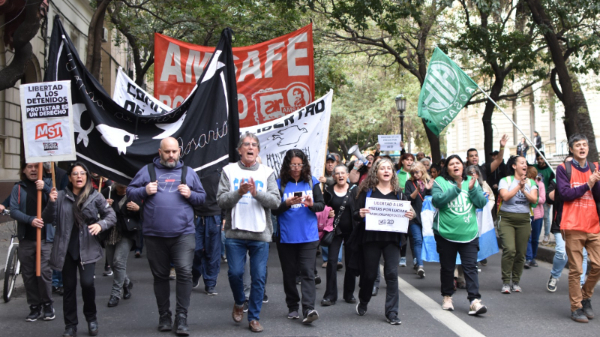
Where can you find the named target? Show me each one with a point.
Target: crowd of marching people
(180, 219)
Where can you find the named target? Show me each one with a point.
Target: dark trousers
(468, 257)
(88, 291)
(372, 252)
(207, 257)
(331, 290)
(161, 253)
(37, 289)
(299, 259)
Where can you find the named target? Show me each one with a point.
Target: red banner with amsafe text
(274, 78)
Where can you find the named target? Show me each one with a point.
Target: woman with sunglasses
(79, 213)
(338, 198)
(301, 198)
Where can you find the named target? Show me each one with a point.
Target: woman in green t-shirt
(457, 198)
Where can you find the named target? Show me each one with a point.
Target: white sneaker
(551, 286)
(546, 240)
(447, 304)
(477, 308)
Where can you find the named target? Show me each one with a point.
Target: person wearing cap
(327, 177)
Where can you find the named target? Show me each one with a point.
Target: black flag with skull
(116, 143)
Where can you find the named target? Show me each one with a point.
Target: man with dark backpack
(580, 225)
(169, 191)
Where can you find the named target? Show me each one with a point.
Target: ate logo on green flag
(444, 93)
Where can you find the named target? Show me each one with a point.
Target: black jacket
(60, 213)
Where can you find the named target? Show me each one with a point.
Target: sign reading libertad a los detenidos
(47, 121)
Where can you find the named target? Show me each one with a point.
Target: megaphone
(354, 150)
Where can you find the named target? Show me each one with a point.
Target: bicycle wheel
(10, 276)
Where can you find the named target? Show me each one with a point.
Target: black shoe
(165, 323)
(265, 298)
(393, 319)
(60, 291)
(70, 332)
(375, 291)
(34, 314)
(138, 255)
(210, 291)
(48, 312)
(127, 291)
(587, 308)
(361, 309)
(181, 327)
(350, 300)
(527, 264)
(317, 279)
(93, 328)
(107, 271)
(483, 262)
(532, 263)
(340, 266)
(54, 289)
(579, 316)
(327, 302)
(311, 316)
(113, 301)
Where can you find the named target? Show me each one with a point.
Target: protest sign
(387, 215)
(305, 129)
(47, 117)
(135, 99)
(274, 78)
(389, 142)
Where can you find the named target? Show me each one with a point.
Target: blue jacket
(167, 213)
(18, 211)
(298, 224)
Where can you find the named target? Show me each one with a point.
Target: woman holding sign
(457, 198)
(79, 213)
(381, 183)
(301, 198)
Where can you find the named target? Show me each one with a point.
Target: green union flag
(444, 93)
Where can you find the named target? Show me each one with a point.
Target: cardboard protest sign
(387, 215)
(47, 117)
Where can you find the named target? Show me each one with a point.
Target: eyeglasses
(80, 173)
(296, 165)
(248, 144)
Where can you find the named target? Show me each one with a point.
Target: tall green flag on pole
(444, 93)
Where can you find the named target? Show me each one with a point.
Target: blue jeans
(547, 222)
(207, 257)
(534, 239)
(236, 258)
(561, 259)
(223, 244)
(57, 279)
(325, 253)
(417, 240)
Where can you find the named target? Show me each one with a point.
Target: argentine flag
(488, 243)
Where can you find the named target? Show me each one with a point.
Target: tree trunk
(565, 93)
(584, 121)
(94, 48)
(488, 131)
(434, 144)
(23, 49)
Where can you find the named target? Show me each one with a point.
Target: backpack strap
(184, 175)
(19, 196)
(568, 169)
(152, 172)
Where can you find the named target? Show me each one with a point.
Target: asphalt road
(535, 312)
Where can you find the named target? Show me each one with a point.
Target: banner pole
(38, 247)
(100, 183)
(518, 128)
(53, 174)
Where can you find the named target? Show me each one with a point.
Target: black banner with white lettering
(116, 143)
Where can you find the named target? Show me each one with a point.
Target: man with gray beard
(169, 191)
